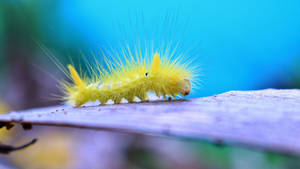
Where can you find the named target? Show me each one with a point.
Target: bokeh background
(240, 45)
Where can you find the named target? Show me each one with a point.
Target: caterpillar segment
(164, 78)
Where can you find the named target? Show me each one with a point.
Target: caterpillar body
(133, 77)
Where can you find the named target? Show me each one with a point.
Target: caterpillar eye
(146, 74)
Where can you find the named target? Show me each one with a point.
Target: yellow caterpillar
(130, 78)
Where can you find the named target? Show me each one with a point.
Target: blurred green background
(242, 46)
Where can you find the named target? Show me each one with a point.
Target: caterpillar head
(175, 78)
(184, 86)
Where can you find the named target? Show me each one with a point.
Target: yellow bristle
(75, 76)
(155, 63)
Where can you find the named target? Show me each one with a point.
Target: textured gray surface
(267, 119)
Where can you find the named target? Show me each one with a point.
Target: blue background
(241, 45)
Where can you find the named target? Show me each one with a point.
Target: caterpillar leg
(103, 101)
(146, 99)
(117, 100)
(143, 97)
(170, 97)
(130, 99)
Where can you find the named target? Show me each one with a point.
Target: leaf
(265, 119)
